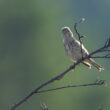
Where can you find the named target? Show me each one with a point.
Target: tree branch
(57, 77)
(78, 34)
(102, 49)
(95, 83)
(101, 57)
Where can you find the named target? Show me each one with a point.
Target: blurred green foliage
(31, 52)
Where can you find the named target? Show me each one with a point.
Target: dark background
(31, 52)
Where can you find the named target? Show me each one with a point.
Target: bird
(75, 50)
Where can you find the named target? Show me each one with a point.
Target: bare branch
(102, 49)
(101, 57)
(79, 36)
(105, 49)
(95, 83)
(56, 78)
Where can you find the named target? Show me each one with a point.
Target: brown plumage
(73, 50)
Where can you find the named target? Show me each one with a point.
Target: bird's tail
(92, 62)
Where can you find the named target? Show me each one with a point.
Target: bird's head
(66, 32)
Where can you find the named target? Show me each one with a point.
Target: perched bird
(75, 50)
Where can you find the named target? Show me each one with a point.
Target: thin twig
(100, 57)
(107, 43)
(78, 34)
(96, 83)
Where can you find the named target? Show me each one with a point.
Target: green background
(31, 52)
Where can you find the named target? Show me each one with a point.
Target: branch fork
(103, 49)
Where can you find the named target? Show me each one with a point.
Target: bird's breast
(72, 50)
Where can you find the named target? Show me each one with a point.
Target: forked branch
(103, 49)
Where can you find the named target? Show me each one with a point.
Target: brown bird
(75, 50)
